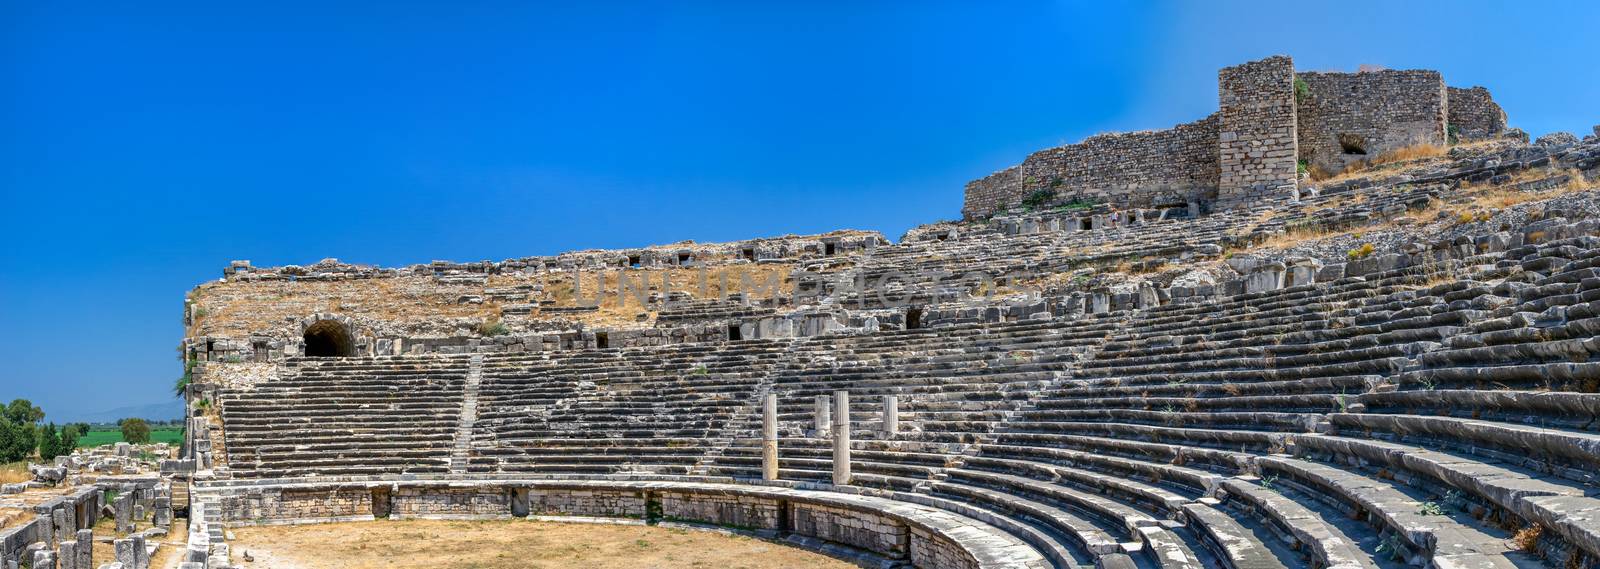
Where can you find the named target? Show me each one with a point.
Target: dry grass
(508, 544)
(1296, 236)
(14, 472)
(1413, 152)
(1527, 539)
(1488, 197)
(1363, 167)
(617, 309)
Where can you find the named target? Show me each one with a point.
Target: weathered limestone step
(469, 416)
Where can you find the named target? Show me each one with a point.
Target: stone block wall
(857, 529)
(478, 502)
(595, 503)
(1256, 129)
(931, 550)
(1349, 117)
(274, 505)
(1474, 114)
(746, 512)
(1132, 169)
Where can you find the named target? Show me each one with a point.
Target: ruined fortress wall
(1133, 169)
(1256, 129)
(1345, 117)
(1474, 114)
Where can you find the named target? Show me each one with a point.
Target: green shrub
(1039, 198)
(1362, 252)
(493, 328)
(1301, 90)
(182, 385)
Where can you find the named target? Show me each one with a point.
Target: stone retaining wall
(1134, 169)
(892, 530)
(1349, 117)
(1474, 114)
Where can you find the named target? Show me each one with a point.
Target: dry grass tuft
(1413, 152)
(1396, 156)
(14, 472)
(1298, 235)
(1527, 539)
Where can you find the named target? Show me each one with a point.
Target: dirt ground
(509, 544)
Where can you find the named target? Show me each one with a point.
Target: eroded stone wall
(1133, 169)
(1349, 117)
(857, 529)
(450, 502)
(745, 512)
(1256, 129)
(596, 503)
(1474, 114)
(290, 505)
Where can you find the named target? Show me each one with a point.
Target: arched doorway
(329, 339)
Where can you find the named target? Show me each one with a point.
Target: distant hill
(165, 411)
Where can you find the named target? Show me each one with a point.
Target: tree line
(24, 432)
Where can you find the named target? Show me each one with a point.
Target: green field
(104, 437)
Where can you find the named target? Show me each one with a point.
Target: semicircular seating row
(1440, 415)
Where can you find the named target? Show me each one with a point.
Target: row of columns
(832, 418)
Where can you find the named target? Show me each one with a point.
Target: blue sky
(144, 145)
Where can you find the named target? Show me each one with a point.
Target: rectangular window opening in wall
(828, 249)
(633, 261)
(602, 340)
(748, 254)
(684, 258)
(734, 333)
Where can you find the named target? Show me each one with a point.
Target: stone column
(124, 549)
(124, 508)
(85, 549)
(163, 512)
(822, 416)
(769, 437)
(141, 554)
(69, 554)
(841, 437)
(891, 416)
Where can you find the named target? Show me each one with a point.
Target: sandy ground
(509, 544)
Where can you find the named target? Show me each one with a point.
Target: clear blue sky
(143, 145)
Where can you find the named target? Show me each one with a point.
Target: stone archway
(329, 339)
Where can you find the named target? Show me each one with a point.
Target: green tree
(16, 441)
(135, 430)
(49, 443)
(24, 412)
(69, 437)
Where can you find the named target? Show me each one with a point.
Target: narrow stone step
(461, 453)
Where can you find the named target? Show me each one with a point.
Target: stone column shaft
(891, 415)
(822, 416)
(769, 437)
(841, 437)
(86, 548)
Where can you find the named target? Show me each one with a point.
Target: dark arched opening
(913, 318)
(329, 339)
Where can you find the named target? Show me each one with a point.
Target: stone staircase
(461, 452)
